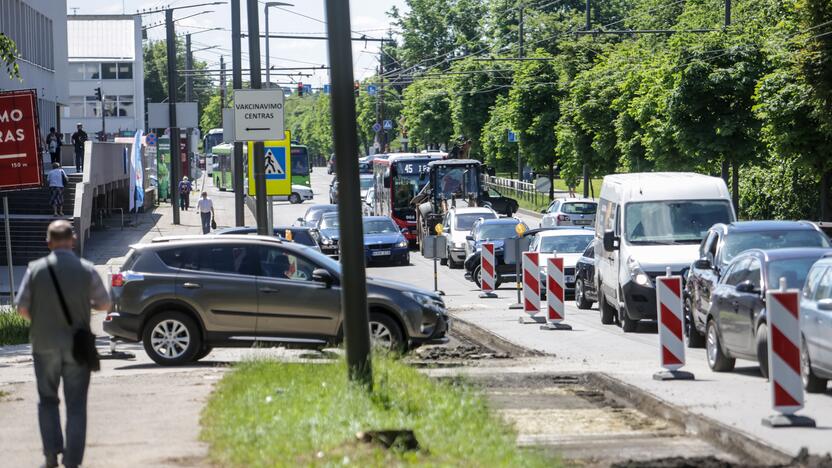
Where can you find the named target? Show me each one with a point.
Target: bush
(783, 190)
(14, 329)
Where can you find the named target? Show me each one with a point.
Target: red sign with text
(19, 149)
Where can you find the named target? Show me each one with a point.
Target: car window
(583, 208)
(279, 264)
(740, 241)
(590, 251)
(465, 221)
(493, 193)
(379, 226)
(496, 231)
(329, 221)
(554, 207)
(737, 273)
(824, 289)
(565, 244)
(794, 270)
(812, 281)
(235, 259)
(754, 273)
(706, 244)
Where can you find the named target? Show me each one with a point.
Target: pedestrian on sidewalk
(205, 206)
(53, 144)
(57, 180)
(78, 139)
(52, 339)
(185, 188)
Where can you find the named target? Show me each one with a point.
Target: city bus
(222, 166)
(300, 165)
(396, 180)
(211, 139)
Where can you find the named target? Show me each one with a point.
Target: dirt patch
(460, 352)
(802, 460)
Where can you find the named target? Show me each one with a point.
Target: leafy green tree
(497, 151)
(8, 55)
(156, 75)
(212, 113)
(427, 111)
(476, 93)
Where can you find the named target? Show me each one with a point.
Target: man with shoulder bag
(56, 295)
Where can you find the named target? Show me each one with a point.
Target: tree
(477, 92)
(8, 55)
(427, 111)
(212, 113)
(497, 151)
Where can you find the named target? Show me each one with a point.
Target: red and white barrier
(531, 283)
(784, 357)
(487, 270)
(555, 286)
(671, 328)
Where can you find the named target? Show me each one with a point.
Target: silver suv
(184, 296)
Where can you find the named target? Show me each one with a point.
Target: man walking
(78, 140)
(185, 193)
(57, 180)
(205, 206)
(53, 144)
(52, 337)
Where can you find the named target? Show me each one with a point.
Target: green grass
(14, 329)
(268, 413)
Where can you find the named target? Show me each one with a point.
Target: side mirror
(544, 211)
(405, 231)
(702, 264)
(321, 275)
(470, 238)
(610, 241)
(747, 287)
(301, 221)
(825, 304)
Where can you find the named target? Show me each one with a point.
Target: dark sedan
(330, 233)
(384, 241)
(585, 293)
(314, 213)
(720, 245)
(736, 321)
(495, 231)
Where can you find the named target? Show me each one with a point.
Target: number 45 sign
(278, 154)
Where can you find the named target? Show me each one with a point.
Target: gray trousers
(50, 367)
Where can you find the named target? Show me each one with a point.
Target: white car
(567, 243)
(570, 212)
(300, 194)
(457, 225)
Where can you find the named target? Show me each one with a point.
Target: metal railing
(520, 190)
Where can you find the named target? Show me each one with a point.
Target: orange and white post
(555, 292)
(671, 325)
(488, 271)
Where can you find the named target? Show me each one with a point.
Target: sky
(305, 17)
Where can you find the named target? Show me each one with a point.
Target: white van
(645, 223)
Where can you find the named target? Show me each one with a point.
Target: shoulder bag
(83, 341)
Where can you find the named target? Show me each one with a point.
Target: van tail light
(117, 280)
(563, 217)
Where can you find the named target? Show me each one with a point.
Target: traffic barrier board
(487, 270)
(20, 163)
(555, 290)
(671, 326)
(531, 283)
(784, 358)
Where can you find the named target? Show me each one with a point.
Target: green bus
(223, 167)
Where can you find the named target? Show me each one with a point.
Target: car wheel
(717, 360)
(628, 324)
(811, 382)
(607, 312)
(172, 338)
(206, 350)
(477, 276)
(295, 199)
(762, 348)
(443, 261)
(385, 333)
(693, 339)
(580, 298)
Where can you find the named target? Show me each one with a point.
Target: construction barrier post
(784, 358)
(671, 324)
(488, 271)
(555, 288)
(530, 278)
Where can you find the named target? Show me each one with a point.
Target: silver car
(816, 327)
(457, 225)
(570, 212)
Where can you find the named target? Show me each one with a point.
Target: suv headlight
(326, 241)
(637, 274)
(424, 300)
(403, 243)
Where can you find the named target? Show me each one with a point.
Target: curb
(491, 340)
(531, 213)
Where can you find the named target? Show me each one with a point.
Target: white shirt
(204, 205)
(55, 178)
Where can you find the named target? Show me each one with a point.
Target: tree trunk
(552, 179)
(725, 170)
(735, 189)
(825, 182)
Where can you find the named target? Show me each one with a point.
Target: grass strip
(14, 329)
(268, 413)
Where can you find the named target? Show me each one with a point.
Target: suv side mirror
(321, 275)
(825, 304)
(747, 287)
(301, 221)
(610, 241)
(702, 264)
(544, 211)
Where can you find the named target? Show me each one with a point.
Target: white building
(38, 28)
(105, 51)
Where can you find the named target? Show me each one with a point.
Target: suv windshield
(496, 231)
(673, 222)
(329, 221)
(741, 241)
(464, 222)
(565, 244)
(584, 208)
(379, 226)
(793, 269)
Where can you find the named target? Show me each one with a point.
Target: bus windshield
(300, 161)
(211, 140)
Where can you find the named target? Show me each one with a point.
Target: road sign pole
(175, 156)
(9, 248)
(237, 83)
(256, 83)
(517, 275)
(353, 279)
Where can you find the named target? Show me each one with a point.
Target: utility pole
(237, 83)
(258, 157)
(222, 82)
(520, 54)
(175, 157)
(189, 65)
(353, 279)
(588, 15)
(383, 134)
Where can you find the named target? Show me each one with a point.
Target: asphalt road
(739, 399)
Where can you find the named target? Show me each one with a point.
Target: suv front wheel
(172, 338)
(386, 334)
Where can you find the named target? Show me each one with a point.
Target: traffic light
(98, 96)
(357, 88)
(300, 89)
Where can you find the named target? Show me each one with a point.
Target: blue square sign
(275, 162)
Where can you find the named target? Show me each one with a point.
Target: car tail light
(562, 217)
(117, 281)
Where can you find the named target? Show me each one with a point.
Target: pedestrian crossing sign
(277, 154)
